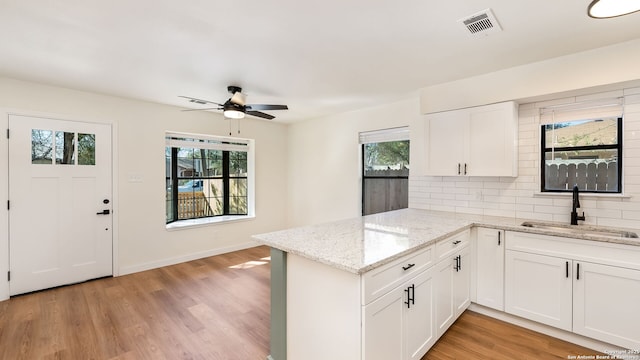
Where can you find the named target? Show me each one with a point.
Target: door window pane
(65, 144)
(41, 146)
(86, 149)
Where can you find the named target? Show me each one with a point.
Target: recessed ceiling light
(603, 9)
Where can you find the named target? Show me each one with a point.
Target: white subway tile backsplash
(534, 216)
(524, 208)
(443, 196)
(470, 210)
(624, 223)
(443, 208)
(502, 213)
(603, 213)
(550, 209)
(631, 215)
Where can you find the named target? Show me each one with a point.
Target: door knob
(104, 212)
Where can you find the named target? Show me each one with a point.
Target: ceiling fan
(236, 107)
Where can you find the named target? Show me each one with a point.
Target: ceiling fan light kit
(233, 111)
(604, 9)
(235, 107)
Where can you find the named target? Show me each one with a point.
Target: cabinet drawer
(583, 250)
(448, 246)
(380, 281)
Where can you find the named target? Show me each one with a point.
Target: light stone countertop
(361, 244)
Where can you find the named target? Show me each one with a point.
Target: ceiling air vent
(481, 24)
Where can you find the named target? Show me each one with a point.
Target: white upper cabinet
(478, 141)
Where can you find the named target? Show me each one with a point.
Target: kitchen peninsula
(382, 286)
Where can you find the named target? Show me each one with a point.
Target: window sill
(192, 223)
(583, 195)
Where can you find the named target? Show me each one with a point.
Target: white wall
(594, 68)
(139, 207)
(519, 197)
(324, 160)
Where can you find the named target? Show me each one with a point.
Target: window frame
(618, 147)
(379, 136)
(227, 145)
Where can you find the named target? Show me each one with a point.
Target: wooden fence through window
(592, 176)
(385, 190)
(193, 205)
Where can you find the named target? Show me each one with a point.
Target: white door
(490, 268)
(60, 202)
(462, 282)
(383, 326)
(446, 142)
(604, 303)
(419, 321)
(539, 288)
(445, 315)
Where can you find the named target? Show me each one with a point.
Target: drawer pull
(457, 242)
(409, 266)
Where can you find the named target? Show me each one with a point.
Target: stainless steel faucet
(576, 204)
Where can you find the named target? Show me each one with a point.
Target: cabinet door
(492, 141)
(538, 288)
(445, 315)
(490, 268)
(462, 282)
(445, 142)
(383, 326)
(605, 304)
(420, 330)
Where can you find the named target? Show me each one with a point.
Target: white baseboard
(547, 330)
(184, 258)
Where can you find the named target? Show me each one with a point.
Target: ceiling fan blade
(203, 109)
(267, 107)
(260, 114)
(239, 98)
(199, 101)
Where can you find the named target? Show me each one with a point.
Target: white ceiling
(319, 57)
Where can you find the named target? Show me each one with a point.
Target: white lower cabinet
(605, 301)
(490, 268)
(399, 325)
(537, 288)
(556, 281)
(453, 276)
(405, 322)
(383, 326)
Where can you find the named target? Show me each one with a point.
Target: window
(208, 177)
(59, 147)
(385, 170)
(587, 153)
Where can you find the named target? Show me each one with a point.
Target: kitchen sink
(580, 229)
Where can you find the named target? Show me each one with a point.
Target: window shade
(198, 141)
(393, 134)
(582, 110)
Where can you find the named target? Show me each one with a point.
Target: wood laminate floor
(213, 308)
(209, 309)
(478, 337)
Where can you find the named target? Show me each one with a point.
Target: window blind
(385, 135)
(199, 141)
(582, 111)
